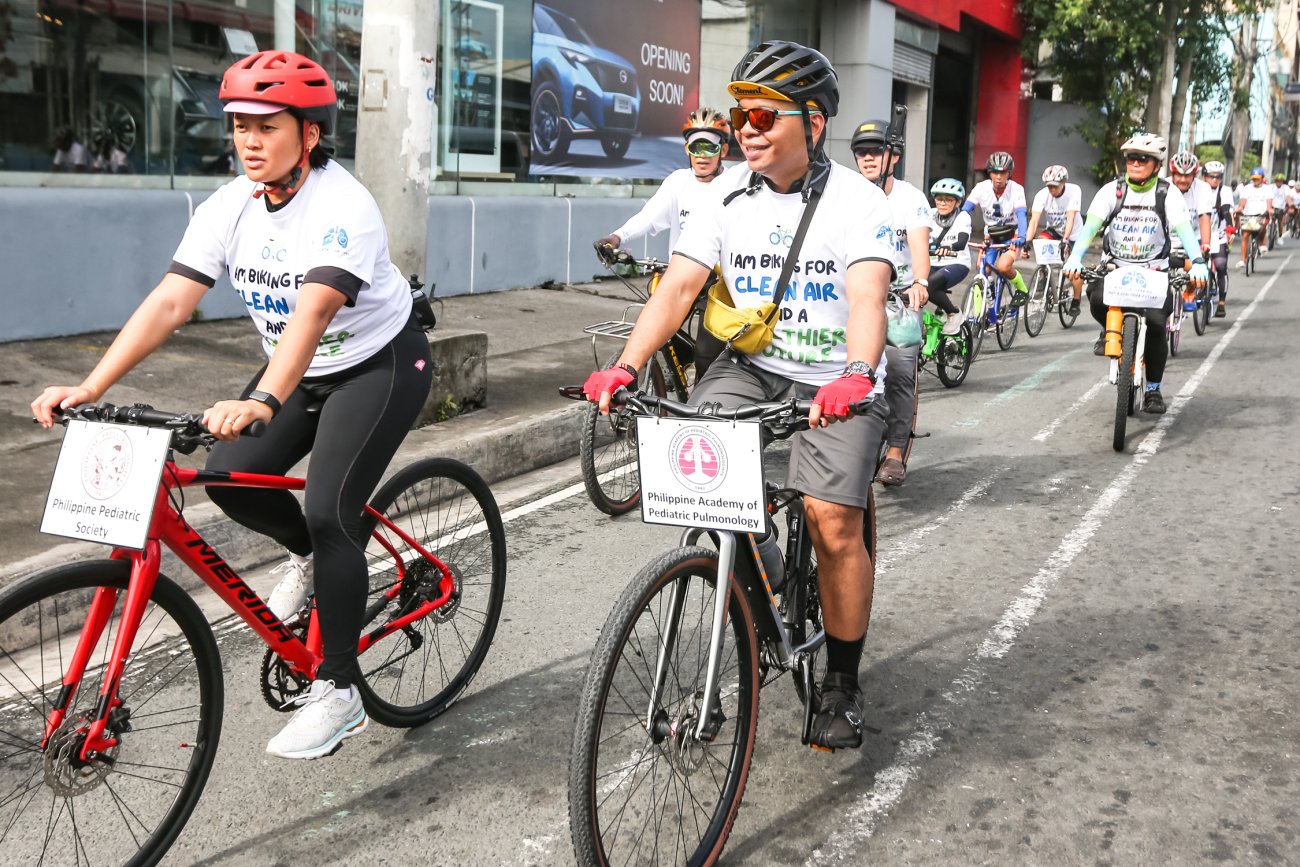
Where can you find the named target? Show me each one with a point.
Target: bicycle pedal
(821, 749)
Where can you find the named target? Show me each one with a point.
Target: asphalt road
(1076, 656)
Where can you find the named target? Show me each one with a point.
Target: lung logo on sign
(699, 459)
(107, 464)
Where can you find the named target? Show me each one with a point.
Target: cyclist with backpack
(348, 367)
(950, 231)
(827, 345)
(1136, 216)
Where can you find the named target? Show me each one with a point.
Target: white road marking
(867, 813)
(1088, 395)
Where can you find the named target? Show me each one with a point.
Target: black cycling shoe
(838, 724)
(1153, 403)
(1099, 348)
(1074, 307)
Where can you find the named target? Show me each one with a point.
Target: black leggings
(1156, 351)
(942, 278)
(1220, 260)
(364, 414)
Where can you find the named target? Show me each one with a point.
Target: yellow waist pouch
(745, 329)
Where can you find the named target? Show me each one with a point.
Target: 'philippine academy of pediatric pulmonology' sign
(697, 473)
(612, 84)
(105, 483)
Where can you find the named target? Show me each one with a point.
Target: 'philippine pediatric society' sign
(105, 483)
(706, 474)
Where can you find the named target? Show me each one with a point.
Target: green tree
(1101, 54)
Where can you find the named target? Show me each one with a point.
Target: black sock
(843, 657)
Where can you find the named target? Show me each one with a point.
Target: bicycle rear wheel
(1065, 297)
(1174, 324)
(607, 451)
(414, 673)
(1124, 383)
(1008, 316)
(1037, 304)
(129, 804)
(643, 787)
(954, 357)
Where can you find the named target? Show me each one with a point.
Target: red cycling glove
(836, 397)
(610, 380)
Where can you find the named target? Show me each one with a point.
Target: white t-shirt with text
(331, 224)
(998, 210)
(1054, 209)
(1136, 235)
(749, 239)
(961, 225)
(909, 210)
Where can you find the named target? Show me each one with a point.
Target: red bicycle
(111, 685)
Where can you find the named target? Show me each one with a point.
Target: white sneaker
(291, 594)
(1240, 264)
(321, 724)
(952, 323)
(1262, 249)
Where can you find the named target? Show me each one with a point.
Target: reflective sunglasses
(761, 119)
(868, 151)
(703, 147)
(1139, 158)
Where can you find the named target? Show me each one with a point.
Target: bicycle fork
(1115, 326)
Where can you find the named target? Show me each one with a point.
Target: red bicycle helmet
(271, 81)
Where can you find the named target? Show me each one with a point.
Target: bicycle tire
(1036, 305)
(607, 452)
(1252, 246)
(614, 706)
(1008, 316)
(1175, 326)
(1201, 315)
(448, 508)
(101, 812)
(954, 359)
(1066, 299)
(1124, 382)
(974, 307)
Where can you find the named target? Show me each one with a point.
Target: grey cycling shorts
(836, 463)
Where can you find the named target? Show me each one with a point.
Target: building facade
(553, 120)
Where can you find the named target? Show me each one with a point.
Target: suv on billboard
(579, 89)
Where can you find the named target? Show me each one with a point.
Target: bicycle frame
(168, 527)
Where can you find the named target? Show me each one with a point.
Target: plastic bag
(905, 328)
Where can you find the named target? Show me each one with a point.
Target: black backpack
(1121, 194)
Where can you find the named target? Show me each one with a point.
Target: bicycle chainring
(281, 684)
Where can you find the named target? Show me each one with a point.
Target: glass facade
(128, 88)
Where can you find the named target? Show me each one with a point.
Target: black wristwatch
(267, 398)
(859, 367)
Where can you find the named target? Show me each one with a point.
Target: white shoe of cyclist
(1262, 249)
(1240, 264)
(324, 720)
(952, 323)
(297, 585)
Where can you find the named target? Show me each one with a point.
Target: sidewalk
(535, 344)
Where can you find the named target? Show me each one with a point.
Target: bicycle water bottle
(1114, 327)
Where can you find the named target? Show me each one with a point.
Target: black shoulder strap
(1121, 195)
(939, 240)
(750, 187)
(778, 294)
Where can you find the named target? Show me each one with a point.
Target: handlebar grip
(572, 392)
(255, 429)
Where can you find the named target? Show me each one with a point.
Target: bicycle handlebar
(782, 418)
(188, 430)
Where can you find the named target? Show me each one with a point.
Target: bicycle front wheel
(607, 451)
(1065, 297)
(1201, 315)
(129, 803)
(1036, 306)
(1008, 316)
(412, 674)
(955, 357)
(644, 785)
(1124, 382)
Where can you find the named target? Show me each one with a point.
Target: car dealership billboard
(612, 85)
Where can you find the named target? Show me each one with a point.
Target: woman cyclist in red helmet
(305, 247)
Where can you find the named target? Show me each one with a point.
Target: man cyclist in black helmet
(828, 342)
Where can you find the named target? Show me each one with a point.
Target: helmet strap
(295, 176)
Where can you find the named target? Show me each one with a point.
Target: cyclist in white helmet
(1183, 168)
(1139, 216)
(1055, 214)
(950, 231)
(1221, 229)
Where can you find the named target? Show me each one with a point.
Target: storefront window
(130, 87)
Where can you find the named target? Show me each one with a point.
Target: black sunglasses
(760, 119)
(868, 151)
